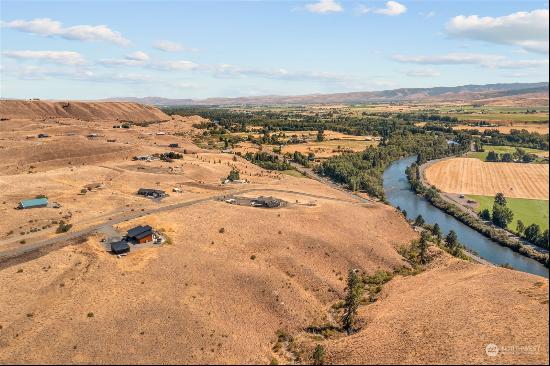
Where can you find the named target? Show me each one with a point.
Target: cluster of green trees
(519, 156)
(518, 138)
(533, 234)
(267, 161)
(170, 156)
(433, 233)
(363, 171)
(368, 123)
(426, 117)
(298, 157)
(296, 120)
(234, 175)
(502, 216)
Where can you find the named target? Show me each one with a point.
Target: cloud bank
(528, 30)
(47, 27)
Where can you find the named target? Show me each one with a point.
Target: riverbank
(499, 236)
(399, 194)
(459, 202)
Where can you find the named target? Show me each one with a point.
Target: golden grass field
(212, 296)
(328, 148)
(472, 176)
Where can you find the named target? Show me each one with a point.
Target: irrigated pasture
(472, 176)
(538, 127)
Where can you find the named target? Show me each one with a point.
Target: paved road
(116, 219)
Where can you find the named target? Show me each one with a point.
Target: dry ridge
(88, 111)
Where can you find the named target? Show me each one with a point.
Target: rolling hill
(491, 93)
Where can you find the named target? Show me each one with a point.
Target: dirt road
(117, 219)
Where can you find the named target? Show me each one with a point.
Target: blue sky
(184, 49)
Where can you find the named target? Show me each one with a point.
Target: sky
(187, 49)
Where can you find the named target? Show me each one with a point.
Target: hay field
(541, 128)
(328, 148)
(472, 176)
(502, 117)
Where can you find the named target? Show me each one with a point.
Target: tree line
(363, 171)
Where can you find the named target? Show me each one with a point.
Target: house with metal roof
(154, 193)
(119, 247)
(33, 203)
(140, 234)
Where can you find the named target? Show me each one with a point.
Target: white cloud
(120, 62)
(141, 59)
(58, 57)
(324, 6)
(231, 71)
(392, 8)
(181, 65)
(528, 30)
(50, 28)
(486, 60)
(78, 74)
(138, 56)
(168, 46)
(423, 73)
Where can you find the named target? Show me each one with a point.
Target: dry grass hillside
(87, 111)
(449, 314)
(203, 299)
(231, 279)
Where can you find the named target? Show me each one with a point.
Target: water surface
(399, 193)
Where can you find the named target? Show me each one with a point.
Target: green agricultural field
(489, 109)
(496, 113)
(528, 211)
(503, 149)
(511, 117)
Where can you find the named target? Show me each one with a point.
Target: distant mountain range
(465, 93)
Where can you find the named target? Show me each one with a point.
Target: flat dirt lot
(472, 176)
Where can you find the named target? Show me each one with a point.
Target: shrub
(234, 175)
(319, 355)
(352, 301)
(63, 227)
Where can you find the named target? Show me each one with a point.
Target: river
(399, 193)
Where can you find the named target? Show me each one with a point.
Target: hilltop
(486, 94)
(87, 111)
